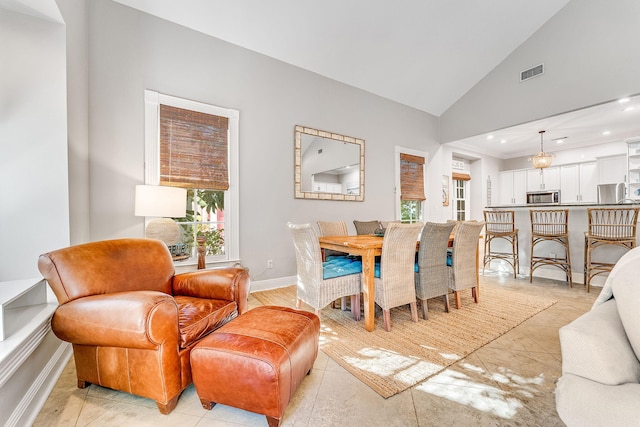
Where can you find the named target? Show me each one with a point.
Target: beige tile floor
(509, 382)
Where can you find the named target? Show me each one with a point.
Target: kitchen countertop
(564, 205)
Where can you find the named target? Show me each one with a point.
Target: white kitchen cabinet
(579, 183)
(513, 187)
(612, 169)
(549, 179)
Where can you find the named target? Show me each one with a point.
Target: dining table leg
(368, 289)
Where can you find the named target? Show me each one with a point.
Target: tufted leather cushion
(197, 317)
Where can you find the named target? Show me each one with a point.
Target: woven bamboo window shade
(193, 149)
(456, 176)
(411, 177)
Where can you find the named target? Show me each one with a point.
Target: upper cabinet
(543, 179)
(633, 168)
(579, 183)
(612, 169)
(512, 187)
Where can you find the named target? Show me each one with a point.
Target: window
(410, 180)
(459, 200)
(194, 146)
(460, 195)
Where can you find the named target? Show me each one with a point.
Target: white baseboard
(279, 282)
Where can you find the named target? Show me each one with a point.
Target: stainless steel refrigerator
(610, 194)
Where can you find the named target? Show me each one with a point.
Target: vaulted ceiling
(422, 53)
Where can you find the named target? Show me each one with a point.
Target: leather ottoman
(256, 361)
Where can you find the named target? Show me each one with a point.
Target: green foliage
(192, 224)
(410, 211)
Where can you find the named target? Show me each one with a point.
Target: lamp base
(164, 229)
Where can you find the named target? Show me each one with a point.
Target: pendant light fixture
(541, 160)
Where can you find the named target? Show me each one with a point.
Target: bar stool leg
(569, 274)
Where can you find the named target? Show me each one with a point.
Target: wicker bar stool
(550, 226)
(607, 226)
(499, 225)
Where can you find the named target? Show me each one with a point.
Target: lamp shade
(160, 201)
(541, 160)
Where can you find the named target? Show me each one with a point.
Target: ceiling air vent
(532, 72)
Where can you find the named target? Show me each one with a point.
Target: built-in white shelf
(20, 302)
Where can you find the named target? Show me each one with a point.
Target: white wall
(34, 213)
(131, 51)
(564, 157)
(590, 53)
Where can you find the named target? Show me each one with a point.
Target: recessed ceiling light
(606, 132)
(623, 100)
(629, 108)
(560, 140)
(503, 141)
(489, 137)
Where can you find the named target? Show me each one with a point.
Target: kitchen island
(578, 224)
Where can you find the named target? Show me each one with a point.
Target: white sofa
(600, 383)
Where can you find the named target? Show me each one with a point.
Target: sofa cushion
(626, 291)
(595, 346)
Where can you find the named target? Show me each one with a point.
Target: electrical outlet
(552, 255)
(269, 263)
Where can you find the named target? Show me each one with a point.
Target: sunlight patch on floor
(391, 364)
(461, 388)
(457, 387)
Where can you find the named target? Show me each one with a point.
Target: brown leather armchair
(133, 321)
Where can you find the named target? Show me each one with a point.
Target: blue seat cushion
(416, 269)
(337, 266)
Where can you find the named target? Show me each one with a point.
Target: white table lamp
(163, 203)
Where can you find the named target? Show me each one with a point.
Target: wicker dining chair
(607, 226)
(367, 227)
(432, 277)
(463, 271)
(395, 286)
(313, 289)
(332, 228)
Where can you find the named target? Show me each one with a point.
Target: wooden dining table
(369, 246)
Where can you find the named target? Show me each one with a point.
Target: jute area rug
(390, 362)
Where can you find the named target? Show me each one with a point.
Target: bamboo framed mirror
(328, 166)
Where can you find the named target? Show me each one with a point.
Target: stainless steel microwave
(550, 197)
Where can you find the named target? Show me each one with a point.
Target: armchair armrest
(134, 319)
(227, 283)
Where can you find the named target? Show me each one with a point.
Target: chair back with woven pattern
(308, 254)
(549, 222)
(312, 287)
(431, 280)
(396, 286)
(499, 221)
(613, 223)
(463, 271)
(332, 228)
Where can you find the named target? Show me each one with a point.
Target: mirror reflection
(328, 166)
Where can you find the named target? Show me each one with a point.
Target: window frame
(398, 202)
(460, 185)
(152, 102)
